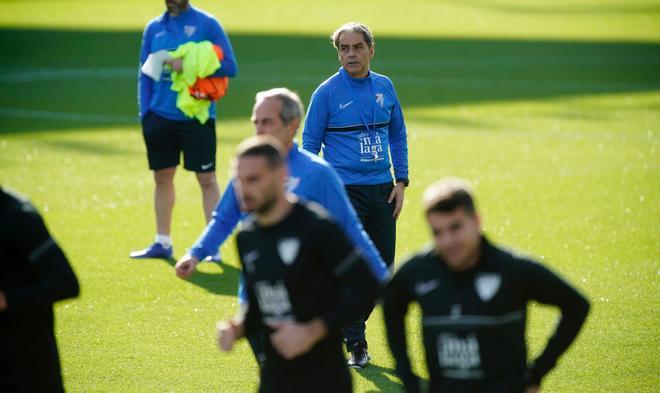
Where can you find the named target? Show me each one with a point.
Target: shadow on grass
(222, 283)
(385, 379)
(81, 80)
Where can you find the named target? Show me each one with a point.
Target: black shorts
(166, 139)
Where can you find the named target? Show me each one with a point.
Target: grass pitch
(552, 111)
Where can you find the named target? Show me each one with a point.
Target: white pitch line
(67, 116)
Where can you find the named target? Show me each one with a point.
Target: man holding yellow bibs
(185, 60)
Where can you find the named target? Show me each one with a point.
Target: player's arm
(225, 217)
(145, 84)
(316, 122)
(359, 291)
(247, 322)
(546, 287)
(395, 307)
(398, 141)
(228, 64)
(359, 286)
(56, 279)
(333, 197)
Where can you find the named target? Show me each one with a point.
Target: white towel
(153, 67)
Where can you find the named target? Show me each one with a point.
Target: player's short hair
(292, 106)
(447, 195)
(263, 146)
(353, 27)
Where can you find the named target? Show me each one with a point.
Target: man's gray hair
(353, 27)
(292, 106)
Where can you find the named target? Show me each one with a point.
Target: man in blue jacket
(167, 131)
(356, 120)
(278, 112)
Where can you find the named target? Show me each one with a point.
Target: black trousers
(370, 203)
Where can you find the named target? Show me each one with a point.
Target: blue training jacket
(168, 32)
(311, 178)
(357, 122)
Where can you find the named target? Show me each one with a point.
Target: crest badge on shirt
(189, 30)
(487, 285)
(288, 249)
(380, 99)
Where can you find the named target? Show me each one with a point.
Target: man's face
(175, 7)
(258, 186)
(354, 54)
(267, 121)
(457, 236)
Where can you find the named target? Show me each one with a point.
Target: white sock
(164, 240)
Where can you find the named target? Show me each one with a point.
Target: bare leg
(164, 199)
(210, 192)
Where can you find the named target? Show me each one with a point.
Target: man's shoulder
(154, 22)
(202, 14)
(327, 84)
(13, 201)
(382, 80)
(509, 259)
(419, 260)
(313, 212)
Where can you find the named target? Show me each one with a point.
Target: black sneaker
(359, 358)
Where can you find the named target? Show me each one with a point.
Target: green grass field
(552, 111)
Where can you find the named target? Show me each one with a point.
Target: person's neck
(181, 11)
(277, 213)
(361, 75)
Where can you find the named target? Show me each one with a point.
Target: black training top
(299, 269)
(474, 321)
(34, 273)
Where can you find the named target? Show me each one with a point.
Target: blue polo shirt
(168, 32)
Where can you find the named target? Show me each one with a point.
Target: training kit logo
(487, 285)
(459, 356)
(342, 106)
(274, 301)
(422, 288)
(189, 30)
(288, 249)
(380, 99)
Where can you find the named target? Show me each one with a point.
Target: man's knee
(164, 177)
(207, 180)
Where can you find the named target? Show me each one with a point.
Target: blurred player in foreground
(303, 277)
(474, 296)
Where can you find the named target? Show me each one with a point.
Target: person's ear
(294, 125)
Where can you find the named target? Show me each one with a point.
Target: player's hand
(292, 339)
(3, 301)
(186, 266)
(227, 333)
(397, 196)
(533, 389)
(176, 64)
